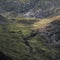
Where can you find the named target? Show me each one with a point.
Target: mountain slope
(24, 35)
(50, 29)
(35, 8)
(21, 41)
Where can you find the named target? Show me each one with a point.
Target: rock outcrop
(51, 33)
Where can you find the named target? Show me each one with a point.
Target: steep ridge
(45, 22)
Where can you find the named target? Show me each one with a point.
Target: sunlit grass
(45, 22)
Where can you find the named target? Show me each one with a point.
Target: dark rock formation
(52, 33)
(40, 8)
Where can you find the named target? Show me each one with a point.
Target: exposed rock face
(51, 33)
(40, 8)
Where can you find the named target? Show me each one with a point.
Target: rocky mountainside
(31, 8)
(49, 29)
(34, 39)
(29, 29)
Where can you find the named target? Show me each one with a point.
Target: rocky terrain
(54, 33)
(29, 29)
(30, 40)
(30, 8)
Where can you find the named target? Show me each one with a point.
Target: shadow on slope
(4, 57)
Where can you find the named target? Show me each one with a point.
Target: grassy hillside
(17, 40)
